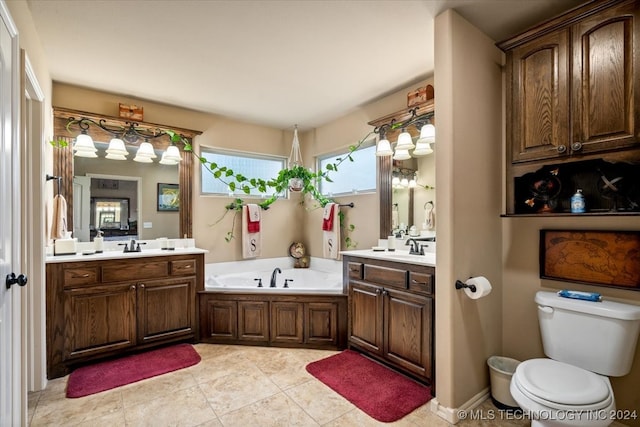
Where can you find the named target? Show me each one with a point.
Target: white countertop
(429, 259)
(122, 255)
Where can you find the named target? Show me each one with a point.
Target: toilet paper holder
(461, 285)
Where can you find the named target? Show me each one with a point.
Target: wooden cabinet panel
(365, 317)
(80, 275)
(183, 267)
(386, 276)
(286, 322)
(422, 282)
(539, 98)
(605, 76)
(253, 320)
(99, 319)
(407, 333)
(221, 319)
(116, 272)
(321, 323)
(158, 319)
(355, 270)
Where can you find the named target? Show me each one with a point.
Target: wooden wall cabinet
(391, 313)
(274, 320)
(572, 91)
(102, 308)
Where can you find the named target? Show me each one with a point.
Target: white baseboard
(452, 415)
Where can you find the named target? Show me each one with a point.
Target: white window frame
(344, 166)
(244, 154)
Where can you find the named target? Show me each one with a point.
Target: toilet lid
(558, 384)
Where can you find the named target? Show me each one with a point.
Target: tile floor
(232, 386)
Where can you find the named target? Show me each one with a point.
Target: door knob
(21, 280)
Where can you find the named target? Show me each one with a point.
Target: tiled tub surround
(311, 313)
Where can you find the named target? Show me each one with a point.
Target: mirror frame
(385, 164)
(63, 157)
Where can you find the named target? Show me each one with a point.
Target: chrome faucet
(273, 277)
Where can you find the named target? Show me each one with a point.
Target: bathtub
(324, 277)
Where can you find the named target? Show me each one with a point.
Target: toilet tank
(600, 337)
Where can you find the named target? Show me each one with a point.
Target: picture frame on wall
(168, 197)
(593, 257)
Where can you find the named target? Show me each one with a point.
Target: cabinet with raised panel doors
(572, 92)
(98, 309)
(391, 313)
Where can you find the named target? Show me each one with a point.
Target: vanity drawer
(385, 276)
(135, 271)
(183, 267)
(421, 282)
(355, 270)
(80, 276)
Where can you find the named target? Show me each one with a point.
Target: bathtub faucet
(273, 277)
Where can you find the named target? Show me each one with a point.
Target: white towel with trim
(59, 220)
(251, 240)
(331, 238)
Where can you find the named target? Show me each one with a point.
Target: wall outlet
(147, 225)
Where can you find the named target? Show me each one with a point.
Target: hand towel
(251, 240)
(59, 220)
(431, 219)
(327, 217)
(331, 237)
(253, 212)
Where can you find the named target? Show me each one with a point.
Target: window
(351, 177)
(247, 164)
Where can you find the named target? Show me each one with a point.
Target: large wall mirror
(119, 197)
(400, 204)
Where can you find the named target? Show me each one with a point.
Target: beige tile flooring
(232, 386)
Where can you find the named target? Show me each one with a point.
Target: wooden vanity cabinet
(103, 308)
(391, 313)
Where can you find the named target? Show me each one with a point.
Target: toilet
(586, 343)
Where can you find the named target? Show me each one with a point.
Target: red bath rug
(380, 392)
(129, 369)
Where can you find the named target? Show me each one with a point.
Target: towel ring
(428, 203)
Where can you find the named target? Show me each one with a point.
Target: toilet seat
(558, 385)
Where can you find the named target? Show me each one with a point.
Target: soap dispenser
(98, 242)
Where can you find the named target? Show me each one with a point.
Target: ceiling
(268, 62)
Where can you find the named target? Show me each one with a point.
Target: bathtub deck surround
(108, 304)
(310, 312)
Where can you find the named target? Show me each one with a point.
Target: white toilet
(586, 342)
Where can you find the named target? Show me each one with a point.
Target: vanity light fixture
(131, 133)
(405, 143)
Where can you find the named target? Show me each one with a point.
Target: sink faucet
(273, 277)
(415, 249)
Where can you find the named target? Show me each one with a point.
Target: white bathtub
(325, 278)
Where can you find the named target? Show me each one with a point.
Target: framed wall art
(603, 258)
(168, 197)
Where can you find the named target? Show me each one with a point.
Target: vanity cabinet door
(321, 323)
(365, 318)
(407, 331)
(100, 319)
(166, 309)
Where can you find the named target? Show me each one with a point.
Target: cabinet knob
(142, 285)
(576, 146)
(378, 291)
(561, 148)
(385, 293)
(133, 287)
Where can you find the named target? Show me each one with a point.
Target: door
(100, 319)
(81, 207)
(365, 328)
(286, 322)
(407, 331)
(166, 309)
(12, 391)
